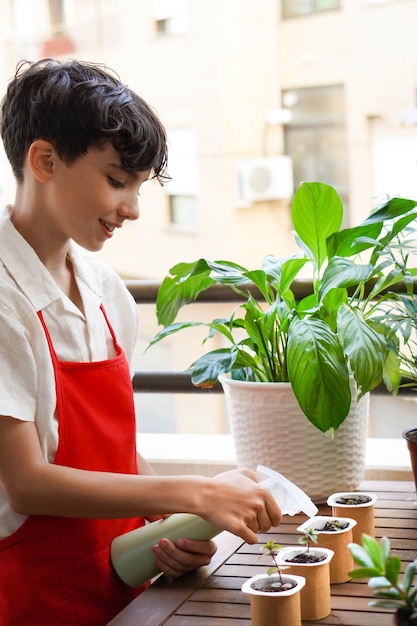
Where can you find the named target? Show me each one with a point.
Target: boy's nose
(129, 209)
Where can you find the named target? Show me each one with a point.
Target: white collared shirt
(27, 386)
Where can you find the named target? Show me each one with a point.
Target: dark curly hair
(76, 105)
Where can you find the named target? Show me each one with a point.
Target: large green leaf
(365, 347)
(391, 209)
(398, 226)
(392, 568)
(317, 212)
(182, 270)
(283, 271)
(172, 295)
(374, 552)
(351, 241)
(208, 368)
(243, 366)
(330, 305)
(366, 572)
(381, 583)
(409, 574)
(318, 373)
(222, 326)
(259, 278)
(384, 546)
(385, 281)
(343, 272)
(172, 329)
(362, 558)
(226, 271)
(187, 280)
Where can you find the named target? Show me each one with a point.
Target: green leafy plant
(401, 315)
(382, 568)
(318, 342)
(308, 537)
(271, 549)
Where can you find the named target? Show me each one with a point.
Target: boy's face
(93, 196)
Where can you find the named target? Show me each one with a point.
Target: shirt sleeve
(18, 368)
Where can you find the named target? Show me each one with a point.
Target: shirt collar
(29, 273)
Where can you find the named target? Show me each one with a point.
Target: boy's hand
(184, 556)
(235, 501)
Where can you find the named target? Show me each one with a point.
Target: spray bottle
(131, 553)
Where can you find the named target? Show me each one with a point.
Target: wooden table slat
(190, 620)
(217, 609)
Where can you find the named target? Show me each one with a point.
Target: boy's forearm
(35, 487)
(69, 492)
(233, 500)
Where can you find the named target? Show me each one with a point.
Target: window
(170, 16)
(183, 188)
(59, 42)
(182, 211)
(57, 15)
(315, 138)
(297, 8)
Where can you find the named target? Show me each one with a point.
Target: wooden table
(213, 597)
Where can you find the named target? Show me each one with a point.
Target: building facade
(256, 96)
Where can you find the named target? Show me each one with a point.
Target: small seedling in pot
(271, 549)
(382, 568)
(308, 537)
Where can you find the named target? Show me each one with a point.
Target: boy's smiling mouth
(107, 226)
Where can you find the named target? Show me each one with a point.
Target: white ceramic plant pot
(336, 540)
(274, 608)
(315, 597)
(269, 428)
(363, 513)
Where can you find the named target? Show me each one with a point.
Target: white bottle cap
(290, 498)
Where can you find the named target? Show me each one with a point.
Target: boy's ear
(41, 160)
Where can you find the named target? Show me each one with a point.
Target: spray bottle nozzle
(291, 499)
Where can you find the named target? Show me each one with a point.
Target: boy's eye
(115, 183)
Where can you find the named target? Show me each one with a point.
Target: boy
(81, 144)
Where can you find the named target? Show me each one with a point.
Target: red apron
(56, 571)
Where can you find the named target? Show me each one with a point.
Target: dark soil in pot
(333, 526)
(402, 618)
(274, 585)
(351, 500)
(306, 557)
(411, 435)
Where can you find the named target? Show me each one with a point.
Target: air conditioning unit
(264, 178)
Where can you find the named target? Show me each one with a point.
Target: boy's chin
(89, 246)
